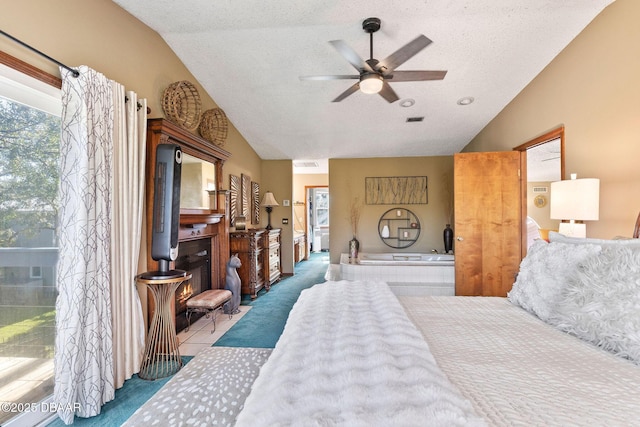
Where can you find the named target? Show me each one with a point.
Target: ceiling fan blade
(353, 88)
(336, 77)
(415, 76)
(403, 54)
(350, 55)
(388, 93)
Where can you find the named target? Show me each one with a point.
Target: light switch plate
(286, 203)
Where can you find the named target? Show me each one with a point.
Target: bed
(562, 349)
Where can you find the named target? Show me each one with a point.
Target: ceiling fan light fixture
(371, 83)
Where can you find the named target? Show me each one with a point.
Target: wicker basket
(181, 104)
(214, 126)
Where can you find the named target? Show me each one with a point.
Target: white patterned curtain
(99, 332)
(130, 136)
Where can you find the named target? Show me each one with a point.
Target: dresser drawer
(274, 272)
(244, 242)
(274, 239)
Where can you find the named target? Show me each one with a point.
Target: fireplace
(194, 257)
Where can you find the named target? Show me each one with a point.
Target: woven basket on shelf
(214, 126)
(181, 104)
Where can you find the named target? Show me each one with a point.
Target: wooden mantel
(200, 216)
(194, 223)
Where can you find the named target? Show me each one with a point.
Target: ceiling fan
(373, 75)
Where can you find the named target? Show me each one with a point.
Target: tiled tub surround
(407, 274)
(405, 259)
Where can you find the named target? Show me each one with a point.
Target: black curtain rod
(75, 73)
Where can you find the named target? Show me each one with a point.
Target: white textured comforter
(519, 371)
(350, 356)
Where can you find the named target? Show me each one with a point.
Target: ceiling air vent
(414, 119)
(305, 164)
(540, 189)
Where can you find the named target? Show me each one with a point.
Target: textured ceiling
(248, 55)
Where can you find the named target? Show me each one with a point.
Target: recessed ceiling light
(407, 102)
(466, 100)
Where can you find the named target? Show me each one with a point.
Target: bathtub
(410, 274)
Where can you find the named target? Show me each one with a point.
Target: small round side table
(161, 354)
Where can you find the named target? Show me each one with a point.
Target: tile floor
(199, 335)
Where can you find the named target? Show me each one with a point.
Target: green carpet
(263, 324)
(260, 327)
(129, 397)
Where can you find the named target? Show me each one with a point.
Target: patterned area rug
(209, 391)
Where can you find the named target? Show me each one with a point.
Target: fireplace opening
(194, 257)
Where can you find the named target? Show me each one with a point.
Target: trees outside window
(29, 179)
(29, 154)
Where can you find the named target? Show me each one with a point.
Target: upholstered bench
(207, 302)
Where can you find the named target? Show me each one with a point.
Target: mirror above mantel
(201, 171)
(199, 185)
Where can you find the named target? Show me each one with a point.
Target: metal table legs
(161, 354)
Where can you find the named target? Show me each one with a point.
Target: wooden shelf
(403, 225)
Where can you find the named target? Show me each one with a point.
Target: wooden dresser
(259, 252)
(271, 247)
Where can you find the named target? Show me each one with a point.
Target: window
(322, 207)
(36, 272)
(29, 156)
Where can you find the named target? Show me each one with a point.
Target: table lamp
(575, 200)
(269, 202)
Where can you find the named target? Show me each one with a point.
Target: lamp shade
(371, 83)
(576, 199)
(268, 200)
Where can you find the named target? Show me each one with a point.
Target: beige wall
(277, 177)
(592, 88)
(100, 34)
(541, 214)
(300, 181)
(346, 182)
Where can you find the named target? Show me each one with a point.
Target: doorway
(317, 218)
(542, 162)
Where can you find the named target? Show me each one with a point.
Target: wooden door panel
(487, 222)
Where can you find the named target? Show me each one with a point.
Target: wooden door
(487, 222)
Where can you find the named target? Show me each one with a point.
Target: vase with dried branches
(355, 209)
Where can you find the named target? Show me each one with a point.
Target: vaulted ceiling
(249, 54)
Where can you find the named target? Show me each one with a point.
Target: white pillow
(601, 304)
(544, 273)
(561, 238)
